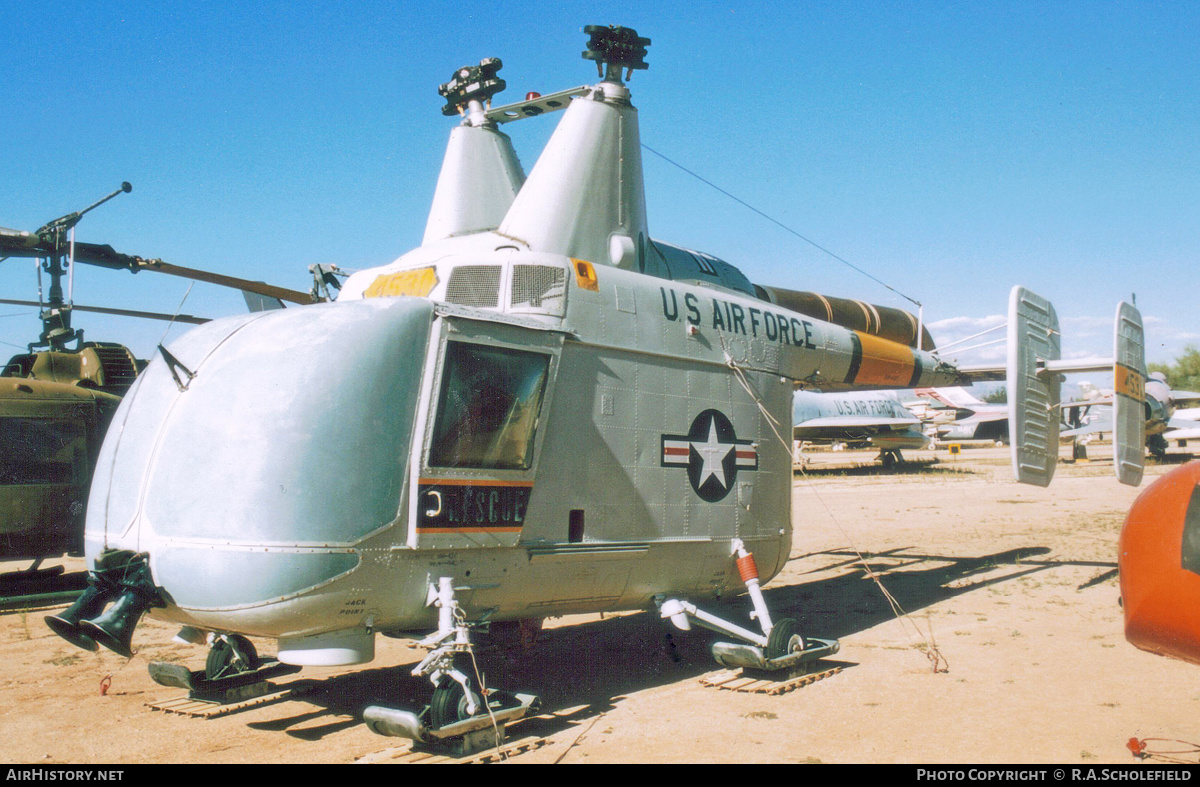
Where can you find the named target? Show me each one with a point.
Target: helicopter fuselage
(556, 436)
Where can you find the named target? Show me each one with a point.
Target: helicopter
(540, 411)
(57, 399)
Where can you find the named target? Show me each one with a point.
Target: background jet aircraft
(972, 418)
(1163, 422)
(875, 417)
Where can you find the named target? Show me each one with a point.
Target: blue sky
(951, 149)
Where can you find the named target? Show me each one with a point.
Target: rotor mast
(480, 174)
(585, 198)
(58, 237)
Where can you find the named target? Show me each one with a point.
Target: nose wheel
(450, 704)
(230, 654)
(460, 718)
(233, 672)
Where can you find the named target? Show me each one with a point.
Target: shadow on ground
(583, 670)
(930, 467)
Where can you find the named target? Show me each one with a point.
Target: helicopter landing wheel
(449, 704)
(784, 639)
(230, 654)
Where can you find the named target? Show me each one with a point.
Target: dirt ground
(1015, 587)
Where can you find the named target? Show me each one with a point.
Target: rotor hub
(617, 48)
(472, 83)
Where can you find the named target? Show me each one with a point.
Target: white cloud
(1158, 328)
(966, 325)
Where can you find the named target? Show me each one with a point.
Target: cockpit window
(488, 408)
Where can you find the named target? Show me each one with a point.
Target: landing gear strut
(461, 717)
(780, 646)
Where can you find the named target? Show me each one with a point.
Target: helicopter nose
(253, 454)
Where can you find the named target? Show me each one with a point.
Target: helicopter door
(482, 439)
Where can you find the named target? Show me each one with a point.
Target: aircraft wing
(1073, 414)
(1067, 435)
(1085, 403)
(849, 427)
(1183, 425)
(1185, 398)
(1190, 433)
(993, 373)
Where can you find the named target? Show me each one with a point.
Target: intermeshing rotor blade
(120, 312)
(14, 243)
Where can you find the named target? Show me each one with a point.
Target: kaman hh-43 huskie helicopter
(539, 411)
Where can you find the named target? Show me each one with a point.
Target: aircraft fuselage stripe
(916, 372)
(855, 358)
(480, 482)
(453, 530)
(882, 362)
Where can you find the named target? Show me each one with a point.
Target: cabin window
(488, 408)
(34, 451)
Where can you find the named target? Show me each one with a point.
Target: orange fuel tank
(1159, 563)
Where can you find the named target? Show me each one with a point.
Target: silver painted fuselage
(287, 490)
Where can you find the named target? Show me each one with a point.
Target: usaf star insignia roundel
(711, 453)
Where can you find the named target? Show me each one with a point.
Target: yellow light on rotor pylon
(585, 275)
(417, 283)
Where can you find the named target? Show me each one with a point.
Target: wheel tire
(230, 654)
(784, 639)
(449, 704)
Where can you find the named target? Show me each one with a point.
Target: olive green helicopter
(57, 399)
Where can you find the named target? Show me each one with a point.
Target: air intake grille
(118, 366)
(474, 285)
(539, 287)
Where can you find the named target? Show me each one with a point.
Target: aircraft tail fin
(1129, 387)
(1033, 390)
(1035, 384)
